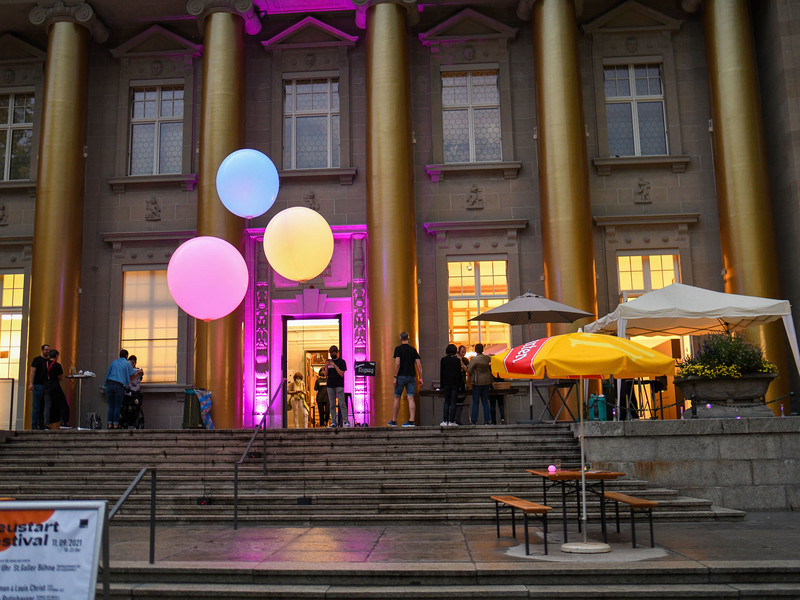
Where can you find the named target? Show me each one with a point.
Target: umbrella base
(585, 547)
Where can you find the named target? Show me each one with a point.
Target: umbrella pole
(584, 547)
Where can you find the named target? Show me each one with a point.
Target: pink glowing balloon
(207, 277)
(551, 469)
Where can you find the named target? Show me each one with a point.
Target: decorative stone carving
(311, 201)
(643, 193)
(49, 11)
(3, 215)
(474, 199)
(152, 210)
(202, 8)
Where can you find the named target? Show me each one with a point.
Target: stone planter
(720, 398)
(744, 390)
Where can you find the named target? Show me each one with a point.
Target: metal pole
(236, 496)
(106, 563)
(152, 516)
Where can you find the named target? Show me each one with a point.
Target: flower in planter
(724, 356)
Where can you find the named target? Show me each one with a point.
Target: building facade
(462, 152)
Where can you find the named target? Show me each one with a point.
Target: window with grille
(156, 130)
(635, 112)
(150, 324)
(473, 288)
(639, 274)
(471, 129)
(11, 298)
(16, 134)
(311, 123)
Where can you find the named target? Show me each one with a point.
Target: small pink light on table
(552, 469)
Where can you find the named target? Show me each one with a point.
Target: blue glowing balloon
(247, 183)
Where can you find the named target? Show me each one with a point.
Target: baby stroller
(130, 414)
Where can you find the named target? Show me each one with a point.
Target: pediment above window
(631, 17)
(14, 50)
(468, 26)
(156, 42)
(309, 33)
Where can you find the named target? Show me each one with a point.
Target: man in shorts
(407, 364)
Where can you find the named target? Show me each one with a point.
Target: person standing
(480, 369)
(335, 368)
(451, 374)
(407, 364)
(323, 404)
(54, 401)
(120, 374)
(36, 384)
(297, 397)
(462, 385)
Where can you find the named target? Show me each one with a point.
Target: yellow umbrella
(581, 355)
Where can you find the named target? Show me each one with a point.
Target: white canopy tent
(680, 309)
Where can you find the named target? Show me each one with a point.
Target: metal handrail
(115, 509)
(262, 426)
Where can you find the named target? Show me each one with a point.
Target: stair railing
(260, 428)
(114, 510)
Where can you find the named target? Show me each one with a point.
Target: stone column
(219, 344)
(391, 221)
(58, 218)
(567, 245)
(740, 168)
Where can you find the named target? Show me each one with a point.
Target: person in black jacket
(451, 376)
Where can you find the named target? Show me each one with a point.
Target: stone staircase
(322, 476)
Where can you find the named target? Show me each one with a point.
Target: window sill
(19, 185)
(509, 169)
(186, 181)
(344, 175)
(677, 163)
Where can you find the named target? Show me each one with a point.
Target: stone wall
(747, 464)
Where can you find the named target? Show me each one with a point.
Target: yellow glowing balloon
(298, 243)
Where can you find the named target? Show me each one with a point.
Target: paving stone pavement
(769, 536)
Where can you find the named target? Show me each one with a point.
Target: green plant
(724, 356)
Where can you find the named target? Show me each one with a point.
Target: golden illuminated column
(740, 167)
(391, 223)
(219, 344)
(567, 247)
(58, 217)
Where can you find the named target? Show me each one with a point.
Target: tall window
(156, 130)
(16, 133)
(311, 123)
(471, 117)
(639, 274)
(635, 111)
(475, 287)
(11, 294)
(150, 324)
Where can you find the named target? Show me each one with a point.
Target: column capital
(48, 12)
(363, 5)
(525, 9)
(690, 6)
(244, 8)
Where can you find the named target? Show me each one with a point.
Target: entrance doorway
(306, 349)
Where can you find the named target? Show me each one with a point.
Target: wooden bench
(635, 504)
(527, 508)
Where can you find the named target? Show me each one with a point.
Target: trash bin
(191, 410)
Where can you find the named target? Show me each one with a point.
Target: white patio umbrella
(531, 308)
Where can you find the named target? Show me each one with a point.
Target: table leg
(564, 507)
(603, 510)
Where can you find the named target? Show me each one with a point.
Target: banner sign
(365, 367)
(50, 550)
